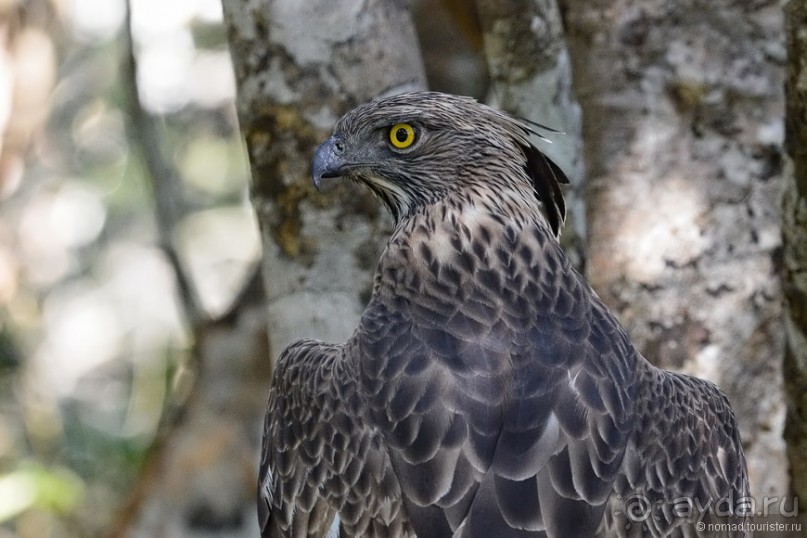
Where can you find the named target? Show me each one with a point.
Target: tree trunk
(299, 66)
(794, 228)
(682, 104)
(531, 74)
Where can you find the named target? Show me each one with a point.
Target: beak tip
(326, 164)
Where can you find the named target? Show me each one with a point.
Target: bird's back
(513, 403)
(502, 386)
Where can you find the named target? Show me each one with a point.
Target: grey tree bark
(794, 228)
(683, 105)
(531, 77)
(299, 66)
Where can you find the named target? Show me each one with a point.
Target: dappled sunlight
(220, 246)
(666, 230)
(82, 332)
(94, 20)
(163, 68)
(657, 219)
(172, 71)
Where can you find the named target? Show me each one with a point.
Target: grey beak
(328, 161)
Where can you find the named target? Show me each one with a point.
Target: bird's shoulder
(323, 467)
(308, 387)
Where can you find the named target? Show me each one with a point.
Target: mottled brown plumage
(487, 392)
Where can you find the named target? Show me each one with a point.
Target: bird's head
(414, 149)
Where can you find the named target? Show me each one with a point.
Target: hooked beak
(328, 162)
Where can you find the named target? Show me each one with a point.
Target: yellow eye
(402, 135)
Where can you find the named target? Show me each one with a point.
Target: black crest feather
(546, 179)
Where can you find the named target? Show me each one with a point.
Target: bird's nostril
(339, 148)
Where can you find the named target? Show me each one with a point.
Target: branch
(144, 134)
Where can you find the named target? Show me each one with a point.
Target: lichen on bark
(299, 66)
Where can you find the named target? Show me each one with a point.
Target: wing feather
(324, 471)
(686, 448)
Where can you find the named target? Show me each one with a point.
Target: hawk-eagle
(487, 391)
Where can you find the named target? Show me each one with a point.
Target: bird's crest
(546, 177)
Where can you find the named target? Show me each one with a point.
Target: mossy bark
(299, 66)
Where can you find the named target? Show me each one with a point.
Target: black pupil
(401, 135)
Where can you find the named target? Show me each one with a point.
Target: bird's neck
(471, 210)
(477, 230)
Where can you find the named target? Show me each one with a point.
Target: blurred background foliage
(91, 329)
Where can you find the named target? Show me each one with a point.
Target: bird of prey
(487, 391)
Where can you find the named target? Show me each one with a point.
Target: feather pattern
(487, 391)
